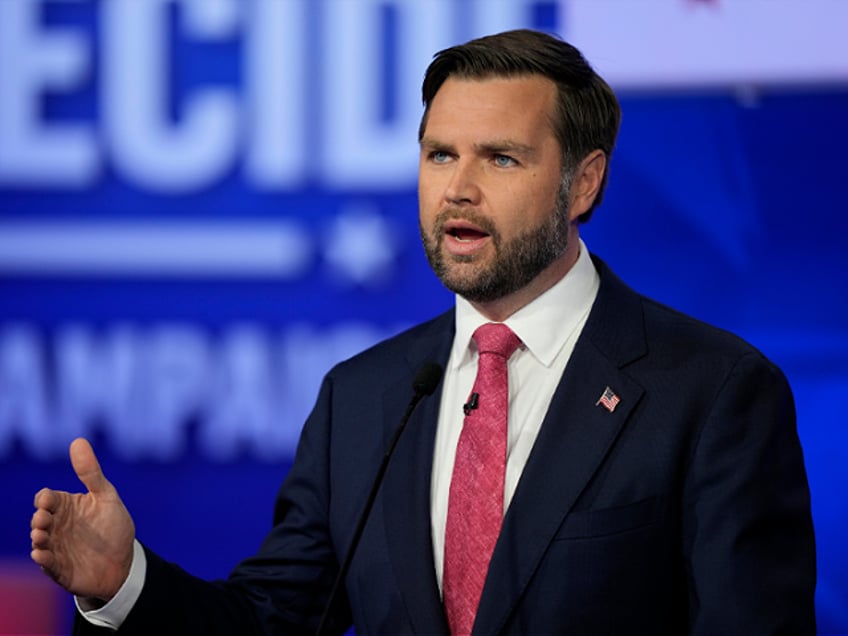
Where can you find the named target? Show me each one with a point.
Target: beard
(516, 262)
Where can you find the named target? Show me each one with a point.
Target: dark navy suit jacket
(685, 510)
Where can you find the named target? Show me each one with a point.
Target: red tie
(475, 504)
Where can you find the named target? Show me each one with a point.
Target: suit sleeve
(747, 524)
(282, 589)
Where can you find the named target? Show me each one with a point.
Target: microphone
(424, 383)
(471, 404)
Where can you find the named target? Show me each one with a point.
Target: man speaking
(590, 462)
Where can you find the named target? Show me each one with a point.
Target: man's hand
(84, 542)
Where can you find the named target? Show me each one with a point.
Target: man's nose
(464, 184)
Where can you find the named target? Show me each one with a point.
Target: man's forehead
(522, 94)
(496, 111)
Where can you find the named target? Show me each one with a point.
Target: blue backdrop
(202, 207)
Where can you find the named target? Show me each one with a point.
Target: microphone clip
(471, 404)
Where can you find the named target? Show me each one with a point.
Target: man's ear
(587, 182)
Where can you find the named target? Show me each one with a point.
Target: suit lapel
(407, 488)
(576, 435)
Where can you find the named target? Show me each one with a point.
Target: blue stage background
(192, 375)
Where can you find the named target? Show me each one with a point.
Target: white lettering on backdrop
(154, 390)
(286, 84)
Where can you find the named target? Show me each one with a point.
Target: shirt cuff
(115, 612)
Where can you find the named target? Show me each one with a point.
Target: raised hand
(83, 541)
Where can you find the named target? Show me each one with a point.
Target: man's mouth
(466, 234)
(464, 238)
(464, 231)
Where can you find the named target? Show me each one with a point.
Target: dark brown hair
(588, 113)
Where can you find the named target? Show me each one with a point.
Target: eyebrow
(499, 145)
(494, 146)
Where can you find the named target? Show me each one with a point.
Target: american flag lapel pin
(608, 399)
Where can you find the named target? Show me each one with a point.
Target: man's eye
(438, 156)
(504, 161)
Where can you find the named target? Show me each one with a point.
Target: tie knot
(497, 338)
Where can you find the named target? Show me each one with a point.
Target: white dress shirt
(548, 328)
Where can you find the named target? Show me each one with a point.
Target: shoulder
(672, 329)
(428, 341)
(652, 334)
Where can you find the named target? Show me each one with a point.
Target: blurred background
(204, 204)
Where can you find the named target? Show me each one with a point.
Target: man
(650, 480)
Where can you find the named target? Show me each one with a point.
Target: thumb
(87, 468)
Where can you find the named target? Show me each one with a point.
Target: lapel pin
(608, 399)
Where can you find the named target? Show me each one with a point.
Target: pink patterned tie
(475, 504)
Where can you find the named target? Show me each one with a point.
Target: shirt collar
(544, 324)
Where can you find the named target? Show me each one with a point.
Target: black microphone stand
(424, 384)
